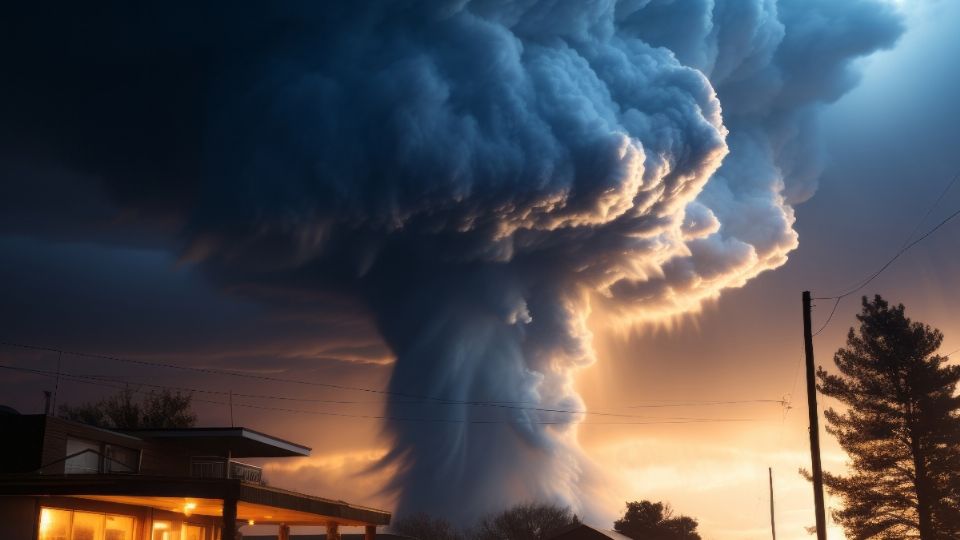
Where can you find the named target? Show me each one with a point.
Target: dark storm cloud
(476, 174)
(140, 302)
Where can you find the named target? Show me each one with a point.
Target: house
(581, 531)
(61, 480)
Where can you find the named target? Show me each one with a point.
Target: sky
(98, 255)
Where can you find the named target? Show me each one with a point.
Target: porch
(222, 504)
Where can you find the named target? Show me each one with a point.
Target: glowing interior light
(160, 525)
(251, 522)
(189, 507)
(45, 520)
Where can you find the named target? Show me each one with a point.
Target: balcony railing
(217, 468)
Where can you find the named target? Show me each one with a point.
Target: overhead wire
(892, 259)
(313, 400)
(907, 245)
(930, 210)
(215, 371)
(647, 421)
(439, 401)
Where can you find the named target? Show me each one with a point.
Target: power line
(901, 251)
(655, 420)
(652, 404)
(707, 403)
(907, 244)
(647, 403)
(341, 402)
(434, 400)
(892, 259)
(931, 209)
(830, 318)
(214, 371)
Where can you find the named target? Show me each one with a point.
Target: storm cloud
(479, 175)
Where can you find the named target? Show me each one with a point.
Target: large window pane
(119, 528)
(192, 532)
(87, 526)
(86, 460)
(54, 524)
(163, 530)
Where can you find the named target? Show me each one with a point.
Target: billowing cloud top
(479, 173)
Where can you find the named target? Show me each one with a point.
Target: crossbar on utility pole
(814, 422)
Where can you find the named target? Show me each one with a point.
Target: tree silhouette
(900, 428)
(164, 409)
(532, 521)
(423, 526)
(647, 520)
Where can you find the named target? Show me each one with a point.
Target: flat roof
(241, 442)
(263, 504)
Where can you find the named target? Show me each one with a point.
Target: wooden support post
(284, 532)
(370, 533)
(333, 531)
(229, 529)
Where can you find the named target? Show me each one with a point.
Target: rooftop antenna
(56, 389)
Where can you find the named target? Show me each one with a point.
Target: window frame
(135, 521)
(104, 462)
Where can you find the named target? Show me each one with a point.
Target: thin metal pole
(814, 422)
(773, 523)
(56, 387)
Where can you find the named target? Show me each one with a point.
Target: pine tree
(900, 428)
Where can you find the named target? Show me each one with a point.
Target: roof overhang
(240, 442)
(262, 504)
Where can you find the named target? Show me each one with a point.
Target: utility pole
(773, 523)
(814, 422)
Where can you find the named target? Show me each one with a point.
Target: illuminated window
(192, 532)
(164, 530)
(87, 526)
(119, 528)
(56, 524)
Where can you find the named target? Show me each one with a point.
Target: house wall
(18, 516)
(155, 459)
(56, 432)
(164, 460)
